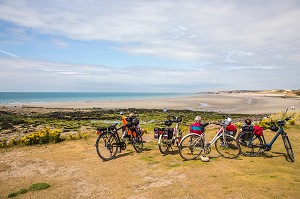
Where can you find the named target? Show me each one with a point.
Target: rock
(204, 158)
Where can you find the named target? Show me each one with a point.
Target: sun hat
(197, 118)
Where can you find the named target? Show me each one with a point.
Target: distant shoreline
(17, 98)
(241, 103)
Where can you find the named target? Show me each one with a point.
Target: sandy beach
(225, 103)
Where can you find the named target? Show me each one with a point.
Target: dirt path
(74, 170)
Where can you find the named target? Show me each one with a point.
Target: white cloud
(59, 43)
(29, 75)
(231, 25)
(232, 44)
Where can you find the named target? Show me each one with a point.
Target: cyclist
(132, 120)
(257, 130)
(198, 128)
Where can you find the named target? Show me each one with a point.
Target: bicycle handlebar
(175, 118)
(170, 115)
(282, 122)
(288, 118)
(218, 123)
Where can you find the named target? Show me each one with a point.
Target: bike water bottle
(124, 134)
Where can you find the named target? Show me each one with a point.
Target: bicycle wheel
(228, 147)
(191, 146)
(164, 146)
(137, 142)
(106, 146)
(288, 147)
(250, 144)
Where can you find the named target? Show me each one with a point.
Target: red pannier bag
(231, 130)
(258, 131)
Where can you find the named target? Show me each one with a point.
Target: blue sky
(149, 46)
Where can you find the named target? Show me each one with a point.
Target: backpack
(249, 132)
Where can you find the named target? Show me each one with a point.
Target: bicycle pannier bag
(231, 130)
(157, 132)
(168, 133)
(131, 132)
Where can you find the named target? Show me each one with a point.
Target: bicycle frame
(268, 146)
(218, 134)
(175, 134)
(256, 144)
(166, 144)
(109, 141)
(176, 130)
(114, 130)
(193, 144)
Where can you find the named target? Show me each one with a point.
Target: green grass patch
(172, 165)
(33, 187)
(39, 186)
(148, 158)
(21, 191)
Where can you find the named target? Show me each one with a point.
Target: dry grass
(74, 170)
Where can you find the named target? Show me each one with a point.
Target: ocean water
(39, 97)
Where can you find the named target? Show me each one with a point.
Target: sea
(41, 97)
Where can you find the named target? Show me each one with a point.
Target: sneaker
(204, 158)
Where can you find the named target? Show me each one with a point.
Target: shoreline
(242, 103)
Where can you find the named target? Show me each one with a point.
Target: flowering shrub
(43, 136)
(238, 124)
(3, 143)
(266, 123)
(78, 136)
(292, 122)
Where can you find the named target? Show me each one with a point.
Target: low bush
(43, 136)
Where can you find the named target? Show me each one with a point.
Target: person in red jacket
(196, 127)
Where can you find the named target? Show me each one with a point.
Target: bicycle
(167, 137)
(192, 145)
(252, 144)
(109, 141)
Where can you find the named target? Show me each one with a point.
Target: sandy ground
(74, 170)
(227, 103)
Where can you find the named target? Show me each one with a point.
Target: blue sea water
(38, 97)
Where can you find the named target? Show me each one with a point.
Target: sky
(149, 46)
